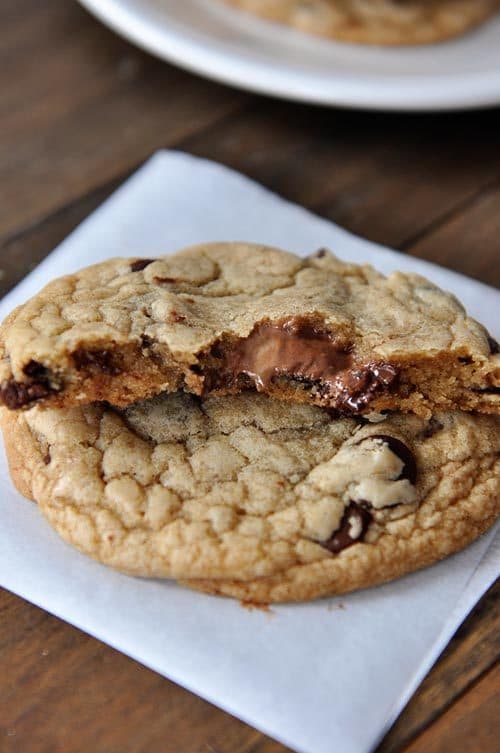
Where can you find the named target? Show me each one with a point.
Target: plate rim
(474, 90)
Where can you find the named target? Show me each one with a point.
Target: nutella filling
(300, 350)
(289, 348)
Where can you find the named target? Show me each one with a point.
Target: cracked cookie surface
(385, 22)
(226, 317)
(277, 501)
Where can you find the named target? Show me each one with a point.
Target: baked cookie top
(384, 22)
(225, 317)
(245, 487)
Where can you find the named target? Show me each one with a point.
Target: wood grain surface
(80, 110)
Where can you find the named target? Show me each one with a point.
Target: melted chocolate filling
(301, 351)
(292, 348)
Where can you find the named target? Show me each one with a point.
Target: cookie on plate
(279, 502)
(227, 317)
(379, 22)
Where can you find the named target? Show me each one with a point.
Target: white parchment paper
(331, 675)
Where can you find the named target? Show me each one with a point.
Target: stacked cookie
(253, 423)
(380, 22)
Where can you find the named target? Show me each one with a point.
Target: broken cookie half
(225, 318)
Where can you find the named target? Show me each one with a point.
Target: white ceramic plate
(209, 38)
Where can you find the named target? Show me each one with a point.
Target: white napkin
(331, 675)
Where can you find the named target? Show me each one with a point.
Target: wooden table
(80, 110)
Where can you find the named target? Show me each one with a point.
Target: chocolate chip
(146, 341)
(320, 253)
(217, 351)
(37, 371)
(409, 470)
(432, 427)
(98, 360)
(494, 346)
(164, 280)
(358, 418)
(465, 360)
(161, 280)
(177, 318)
(17, 395)
(47, 458)
(361, 385)
(140, 264)
(354, 515)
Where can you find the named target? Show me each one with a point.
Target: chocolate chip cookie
(277, 501)
(383, 22)
(227, 318)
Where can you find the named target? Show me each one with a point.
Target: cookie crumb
(252, 606)
(336, 606)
